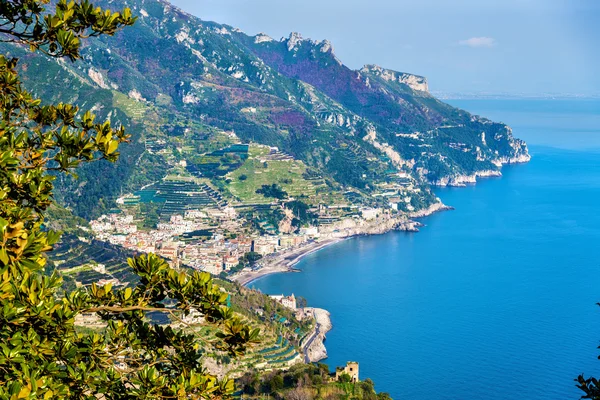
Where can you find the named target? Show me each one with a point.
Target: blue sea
(494, 300)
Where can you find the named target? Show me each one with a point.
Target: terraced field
(274, 355)
(85, 261)
(88, 263)
(177, 196)
(132, 108)
(264, 167)
(219, 162)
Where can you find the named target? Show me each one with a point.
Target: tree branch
(116, 309)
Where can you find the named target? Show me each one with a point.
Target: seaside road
(311, 340)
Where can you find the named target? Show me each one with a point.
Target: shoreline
(313, 348)
(285, 261)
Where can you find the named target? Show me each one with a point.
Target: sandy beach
(283, 262)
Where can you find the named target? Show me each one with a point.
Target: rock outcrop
(415, 82)
(316, 350)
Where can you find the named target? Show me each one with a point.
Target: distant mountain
(514, 96)
(177, 80)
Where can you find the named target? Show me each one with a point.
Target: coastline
(313, 347)
(462, 180)
(286, 260)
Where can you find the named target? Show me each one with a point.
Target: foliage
(306, 382)
(60, 219)
(301, 302)
(264, 220)
(58, 34)
(302, 215)
(42, 354)
(250, 258)
(590, 386)
(247, 302)
(150, 214)
(273, 190)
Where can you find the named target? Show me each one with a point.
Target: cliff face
(353, 127)
(415, 82)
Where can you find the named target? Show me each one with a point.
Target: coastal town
(219, 240)
(270, 213)
(191, 211)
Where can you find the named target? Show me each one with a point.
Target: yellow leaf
(24, 393)
(112, 146)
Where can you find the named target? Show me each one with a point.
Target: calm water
(495, 300)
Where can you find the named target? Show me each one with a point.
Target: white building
(195, 214)
(311, 231)
(369, 214)
(264, 248)
(212, 265)
(266, 245)
(286, 301)
(230, 262)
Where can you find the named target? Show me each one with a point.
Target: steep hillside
(186, 87)
(397, 108)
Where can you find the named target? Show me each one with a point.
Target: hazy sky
(509, 46)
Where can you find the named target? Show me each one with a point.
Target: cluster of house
(398, 191)
(120, 229)
(213, 254)
(265, 245)
(197, 239)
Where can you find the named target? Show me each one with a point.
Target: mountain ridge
(173, 71)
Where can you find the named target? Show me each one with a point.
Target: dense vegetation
(306, 382)
(43, 354)
(273, 191)
(302, 213)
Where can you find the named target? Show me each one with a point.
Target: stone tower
(351, 369)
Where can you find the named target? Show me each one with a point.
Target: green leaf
(3, 256)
